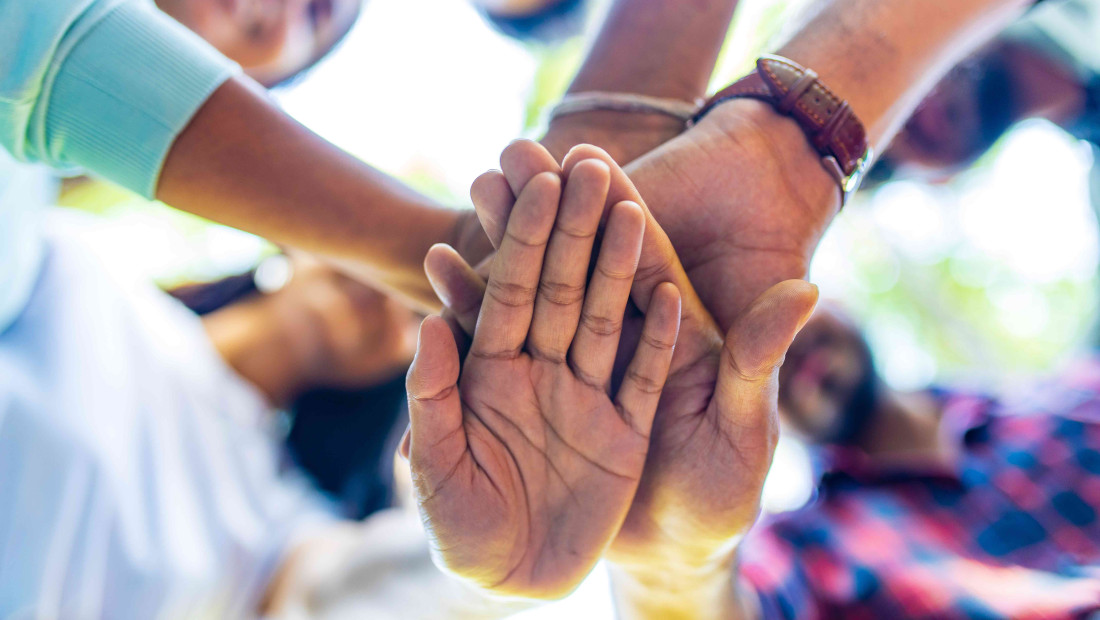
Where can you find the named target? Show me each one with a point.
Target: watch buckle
(849, 184)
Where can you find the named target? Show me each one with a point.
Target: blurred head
(828, 387)
(273, 40)
(542, 21)
(974, 105)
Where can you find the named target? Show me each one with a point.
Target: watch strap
(827, 120)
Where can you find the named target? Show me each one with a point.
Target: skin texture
(716, 424)
(524, 468)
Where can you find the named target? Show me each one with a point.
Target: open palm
(716, 425)
(526, 466)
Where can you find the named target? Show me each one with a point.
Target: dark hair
(996, 102)
(554, 23)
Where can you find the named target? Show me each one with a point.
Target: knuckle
(644, 383)
(510, 294)
(660, 344)
(615, 274)
(546, 353)
(561, 294)
(586, 377)
(731, 362)
(601, 325)
(496, 354)
(574, 232)
(525, 240)
(647, 271)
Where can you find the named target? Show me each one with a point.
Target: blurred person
(276, 40)
(934, 503)
(272, 40)
(331, 353)
(539, 21)
(321, 329)
(1045, 66)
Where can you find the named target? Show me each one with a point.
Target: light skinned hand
(525, 461)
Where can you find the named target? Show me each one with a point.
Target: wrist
(625, 136)
(679, 589)
(741, 126)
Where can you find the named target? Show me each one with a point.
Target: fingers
(565, 270)
(437, 438)
(522, 160)
(509, 302)
(458, 287)
(596, 343)
(748, 375)
(645, 376)
(658, 263)
(493, 200)
(494, 192)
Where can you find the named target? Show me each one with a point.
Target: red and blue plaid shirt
(1010, 531)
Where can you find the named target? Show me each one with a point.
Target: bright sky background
(421, 86)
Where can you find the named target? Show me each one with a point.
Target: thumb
(437, 438)
(748, 379)
(459, 287)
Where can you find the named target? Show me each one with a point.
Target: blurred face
(271, 39)
(828, 388)
(514, 8)
(959, 120)
(544, 22)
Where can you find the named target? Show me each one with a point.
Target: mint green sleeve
(104, 85)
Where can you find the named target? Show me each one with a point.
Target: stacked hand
(715, 428)
(525, 466)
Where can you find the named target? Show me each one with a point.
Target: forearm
(663, 48)
(883, 56)
(641, 50)
(242, 162)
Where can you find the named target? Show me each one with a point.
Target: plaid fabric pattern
(1010, 531)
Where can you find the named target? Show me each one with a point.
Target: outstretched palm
(715, 429)
(525, 468)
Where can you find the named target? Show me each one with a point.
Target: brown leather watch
(828, 121)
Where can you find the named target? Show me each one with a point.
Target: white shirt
(137, 479)
(24, 189)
